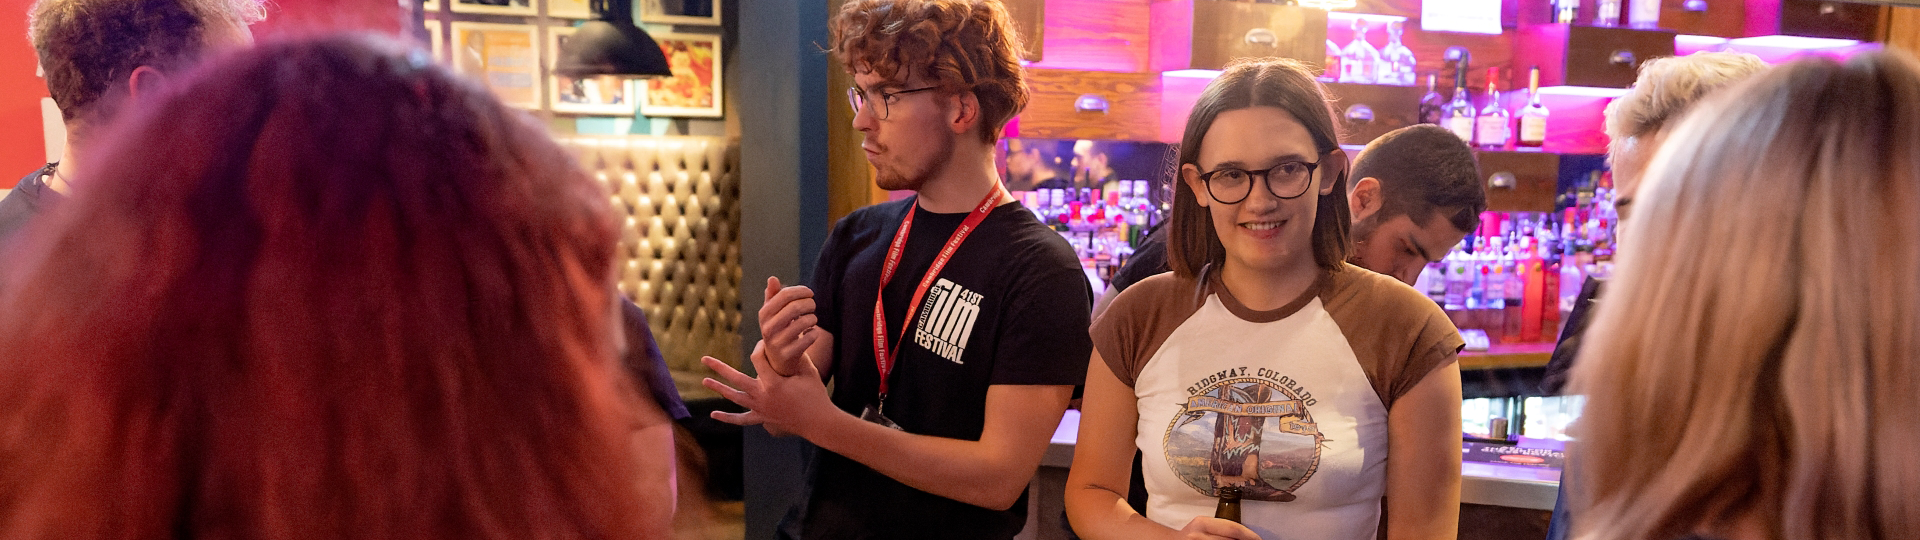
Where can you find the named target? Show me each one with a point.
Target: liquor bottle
(1430, 283)
(1533, 118)
(1550, 247)
(1514, 262)
(1644, 14)
(1458, 114)
(1333, 63)
(1397, 62)
(1437, 286)
(1229, 507)
(1458, 282)
(1494, 124)
(1477, 275)
(1431, 104)
(1607, 13)
(1566, 11)
(1359, 61)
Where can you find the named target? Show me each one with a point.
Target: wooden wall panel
(1133, 111)
(1724, 19)
(1535, 175)
(1902, 28)
(1097, 35)
(849, 176)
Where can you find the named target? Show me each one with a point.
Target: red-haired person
(324, 289)
(953, 324)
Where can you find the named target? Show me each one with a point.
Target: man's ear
(966, 112)
(145, 82)
(1364, 199)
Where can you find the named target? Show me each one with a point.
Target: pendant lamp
(611, 45)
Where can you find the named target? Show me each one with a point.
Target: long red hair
(325, 289)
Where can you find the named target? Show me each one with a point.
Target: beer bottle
(1229, 508)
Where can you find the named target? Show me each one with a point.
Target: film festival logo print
(1253, 432)
(946, 320)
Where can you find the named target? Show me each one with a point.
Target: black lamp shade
(602, 47)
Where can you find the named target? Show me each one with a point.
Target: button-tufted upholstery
(680, 246)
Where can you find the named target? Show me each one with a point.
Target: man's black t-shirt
(1011, 307)
(29, 198)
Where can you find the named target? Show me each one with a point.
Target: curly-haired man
(102, 55)
(953, 324)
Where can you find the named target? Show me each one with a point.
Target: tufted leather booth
(680, 246)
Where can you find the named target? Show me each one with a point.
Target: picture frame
(509, 7)
(503, 57)
(436, 40)
(685, 12)
(606, 95)
(569, 9)
(694, 89)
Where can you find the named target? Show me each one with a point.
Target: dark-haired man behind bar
(953, 324)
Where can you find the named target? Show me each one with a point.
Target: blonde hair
(1754, 363)
(1667, 86)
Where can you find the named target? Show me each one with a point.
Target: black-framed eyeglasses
(858, 98)
(1230, 185)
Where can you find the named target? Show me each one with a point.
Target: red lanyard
(882, 356)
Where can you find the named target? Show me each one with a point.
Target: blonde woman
(1753, 372)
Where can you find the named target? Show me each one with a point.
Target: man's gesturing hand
(786, 326)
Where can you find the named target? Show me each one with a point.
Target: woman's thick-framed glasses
(858, 98)
(1287, 180)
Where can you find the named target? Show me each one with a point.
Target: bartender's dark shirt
(1561, 364)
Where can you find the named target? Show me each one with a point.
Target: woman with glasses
(1326, 395)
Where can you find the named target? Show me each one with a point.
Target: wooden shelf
(1511, 355)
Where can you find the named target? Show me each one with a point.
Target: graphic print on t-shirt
(1245, 427)
(946, 320)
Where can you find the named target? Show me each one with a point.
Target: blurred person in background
(1755, 372)
(101, 57)
(325, 289)
(1636, 124)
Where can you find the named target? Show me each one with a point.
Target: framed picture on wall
(435, 41)
(569, 9)
(602, 95)
(706, 12)
(501, 56)
(494, 7)
(694, 88)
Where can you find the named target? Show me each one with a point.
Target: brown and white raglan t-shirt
(1290, 404)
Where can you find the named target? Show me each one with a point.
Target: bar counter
(1482, 485)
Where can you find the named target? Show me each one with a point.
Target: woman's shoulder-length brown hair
(324, 289)
(1192, 243)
